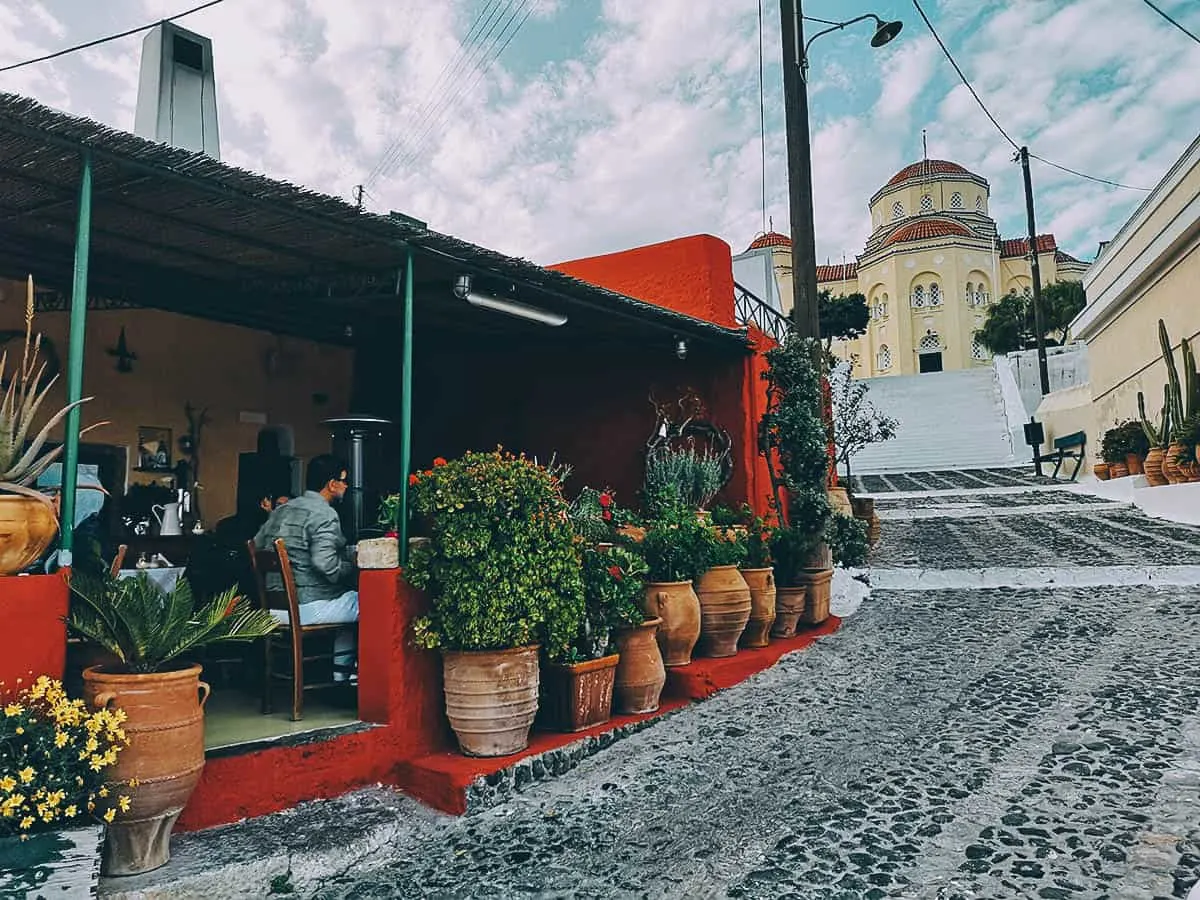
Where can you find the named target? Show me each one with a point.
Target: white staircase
(948, 420)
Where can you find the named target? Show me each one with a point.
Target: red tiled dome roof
(839, 272)
(770, 239)
(922, 229)
(925, 168)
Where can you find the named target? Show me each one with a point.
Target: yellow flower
(123, 803)
(110, 815)
(60, 739)
(7, 783)
(133, 782)
(71, 811)
(26, 774)
(27, 822)
(20, 730)
(13, 709)
(96, 764)
(103, 792)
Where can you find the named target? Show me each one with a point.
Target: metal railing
(748, 309)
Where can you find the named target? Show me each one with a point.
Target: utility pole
(800, 193)
(1039, 326)
(358, 195)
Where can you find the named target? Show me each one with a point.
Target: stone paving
(947, 744)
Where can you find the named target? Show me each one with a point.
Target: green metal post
(79, 289)
(406, 372)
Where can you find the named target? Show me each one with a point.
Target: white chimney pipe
(177, 90)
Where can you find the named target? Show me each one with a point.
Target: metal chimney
(177, 91)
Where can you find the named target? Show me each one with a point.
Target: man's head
(327, 476)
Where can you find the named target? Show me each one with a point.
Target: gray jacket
(316, 547)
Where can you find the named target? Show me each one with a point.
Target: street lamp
(805, 321)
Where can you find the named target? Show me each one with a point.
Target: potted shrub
(148, 632)
(55, 757)
(680, 475)
(847, 540)
(794, 438)
(857, 422)
(1184, 398)
(28, 521)
(502, 572)
(724, 594)
(1187, 435)
(760, 578)
(1157, 435)
(1136, 445)
(577, 688)
(677, 549)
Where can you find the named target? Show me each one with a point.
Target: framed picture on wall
(154, 449)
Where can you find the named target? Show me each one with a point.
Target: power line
(999, 127)
(111, 37)
(1172, 21)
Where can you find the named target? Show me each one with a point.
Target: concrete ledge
(1173, 502)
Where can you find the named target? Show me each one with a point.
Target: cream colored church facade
(933, 265)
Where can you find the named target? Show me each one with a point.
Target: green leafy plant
(20, 465)
(759, 536)
(501, 565)
(847, 539)
(614, 581)
(146, 628)
(686, 475)
(729, 546)
(596, 516)
(1134, 438)
(1113, 446)
(792, 551)
(856, 422)
(677, 547)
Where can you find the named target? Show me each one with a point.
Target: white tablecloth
(164, 578)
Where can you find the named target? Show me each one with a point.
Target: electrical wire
(999, 127)
(111, 37)
(762, 117)
(1172, 21)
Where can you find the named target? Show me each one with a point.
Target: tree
(843, 317)
(857, 423)
(1010, 323)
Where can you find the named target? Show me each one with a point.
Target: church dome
(770, 239)
(923, 229)
(928, 168)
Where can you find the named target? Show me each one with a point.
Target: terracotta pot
(1133, 463)
(674, 602)
(816, 604)
(762, 607)
(821, 558)
(1153, 467)
(724, 610)
(578, 696)
(864, 508)
(789, 606)
(27, 526)
(1117, 470)
(839, 499)
(1189, 471)
(1170, 468)
(640, 671)
(491, 698)
(1100, 470)
(165, 727)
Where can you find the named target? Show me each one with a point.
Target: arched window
(883, 306)
(926, 203)
(918, 297)
(979, 204)
(935, 295)
(883, 359)
(956, 201)
(970, 295)
(1028, 292)
(897, 210)
(929, 342)
(981, 296)
(978, 351)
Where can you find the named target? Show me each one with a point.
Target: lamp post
(805, 321)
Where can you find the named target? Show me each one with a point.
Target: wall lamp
(681, 348)
(463, 291)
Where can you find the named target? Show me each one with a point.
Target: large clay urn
(165, 728)
(1152, 467)
(1134, 464)
(27, 526)
(789, 606)
(724, 610)
(1170, 468)
(640, 671)
(864, 508)
(676, 603)
(491, 698)
(816, 604)
(762, 606)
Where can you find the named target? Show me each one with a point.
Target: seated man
(321, 562)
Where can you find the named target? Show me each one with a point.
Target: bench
(1069, 446)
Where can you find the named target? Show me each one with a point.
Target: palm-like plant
(146, 627)
(20, 465)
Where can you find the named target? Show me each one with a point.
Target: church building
(932, 266)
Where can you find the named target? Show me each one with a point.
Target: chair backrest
(118, 560)
(1076, 439)
(274, 561)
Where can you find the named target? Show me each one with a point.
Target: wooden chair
(287, 637)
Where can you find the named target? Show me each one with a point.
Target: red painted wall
(692, 275)
(32, 613)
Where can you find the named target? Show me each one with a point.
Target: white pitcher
(169, 523)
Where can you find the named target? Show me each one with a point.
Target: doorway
(930, 362)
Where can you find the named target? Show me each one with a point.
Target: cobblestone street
(950, 743)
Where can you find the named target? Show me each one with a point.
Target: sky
(606, 124)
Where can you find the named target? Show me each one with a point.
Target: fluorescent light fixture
(462, 290)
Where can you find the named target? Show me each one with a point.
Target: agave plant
(20, 465)
(146, 627)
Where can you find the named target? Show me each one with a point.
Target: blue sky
(607, 124)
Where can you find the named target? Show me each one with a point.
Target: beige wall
(227, 369)
(1150, 271)
(1066, 412)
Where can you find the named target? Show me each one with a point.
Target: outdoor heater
(353, 432)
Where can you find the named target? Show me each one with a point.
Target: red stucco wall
(32, 613)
